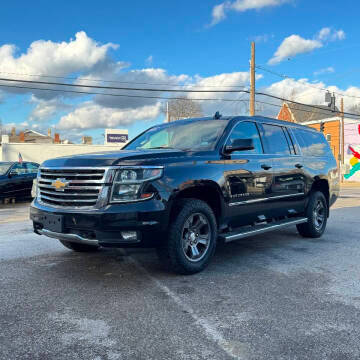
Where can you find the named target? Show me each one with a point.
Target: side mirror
(240, 145)
(12, 173)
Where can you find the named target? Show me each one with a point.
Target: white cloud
(339, 35)
(294, 45)
(45, 109)
(93, 116)
(324, 33)
(327, 70)
(219, 11)
(140, 78)
(105, 111)
(84, 56)
(329, 34)
(62, 58)
(7, 127)
(230, 81)
(307, 92)
(227, 80)
(244, 5)
(81, 54)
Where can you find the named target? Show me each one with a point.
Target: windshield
(195, 135)
(4, 167)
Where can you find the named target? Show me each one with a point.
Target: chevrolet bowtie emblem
(60, 184)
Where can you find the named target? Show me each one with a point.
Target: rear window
(312, 143)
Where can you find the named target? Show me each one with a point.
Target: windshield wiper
(161, 147)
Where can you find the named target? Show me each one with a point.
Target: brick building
(32, 136)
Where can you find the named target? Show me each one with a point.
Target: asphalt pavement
(273, 296)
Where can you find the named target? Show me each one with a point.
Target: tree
(355, 109)
(183, 108)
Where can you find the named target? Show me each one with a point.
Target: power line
(119, 82)
(154, 90)
(162, 90)
(116, 88)
(107, 94)
(302, 104)
(305, 84)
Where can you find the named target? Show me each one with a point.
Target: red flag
(20, 158)
(359, 129)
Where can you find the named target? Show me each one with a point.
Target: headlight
(34, 189)
(129, 182)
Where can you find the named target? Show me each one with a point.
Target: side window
(246, 130)
(32, 168)
(275, 141)
(290, 141)
(19, 169)
(312, 143)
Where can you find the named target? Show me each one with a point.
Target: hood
(122, 157)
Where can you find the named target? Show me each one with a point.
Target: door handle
(266, 167)
(299, 166)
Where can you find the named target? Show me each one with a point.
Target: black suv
(184, 186)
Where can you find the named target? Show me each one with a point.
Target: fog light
(129, 235)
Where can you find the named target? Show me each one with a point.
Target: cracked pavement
(273, 296)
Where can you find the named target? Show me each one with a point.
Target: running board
(254, 230)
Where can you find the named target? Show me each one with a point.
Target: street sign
(116, 136)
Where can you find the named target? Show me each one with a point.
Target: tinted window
(246, 130)
(275, 141)
(312, 143)
(19, 169)
(32, 168)
(4, 167)
(185, 135)
(290, 141)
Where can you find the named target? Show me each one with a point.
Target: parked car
(183, 186)
(16, 179)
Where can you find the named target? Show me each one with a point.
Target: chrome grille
(71, 187)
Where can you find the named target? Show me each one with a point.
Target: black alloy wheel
(191, 239)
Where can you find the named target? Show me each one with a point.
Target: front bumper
(68, 237)
(149, 219)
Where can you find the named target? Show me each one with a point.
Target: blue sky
(183, 42)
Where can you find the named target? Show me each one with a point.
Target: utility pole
(252, 80)
(342, 148)
(167, 112)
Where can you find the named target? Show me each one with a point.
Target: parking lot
(273, 296)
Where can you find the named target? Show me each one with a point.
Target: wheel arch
(322, 185)
(207, 191)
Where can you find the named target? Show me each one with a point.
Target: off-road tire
(171, 253)
(79, 247)
(309, 229)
